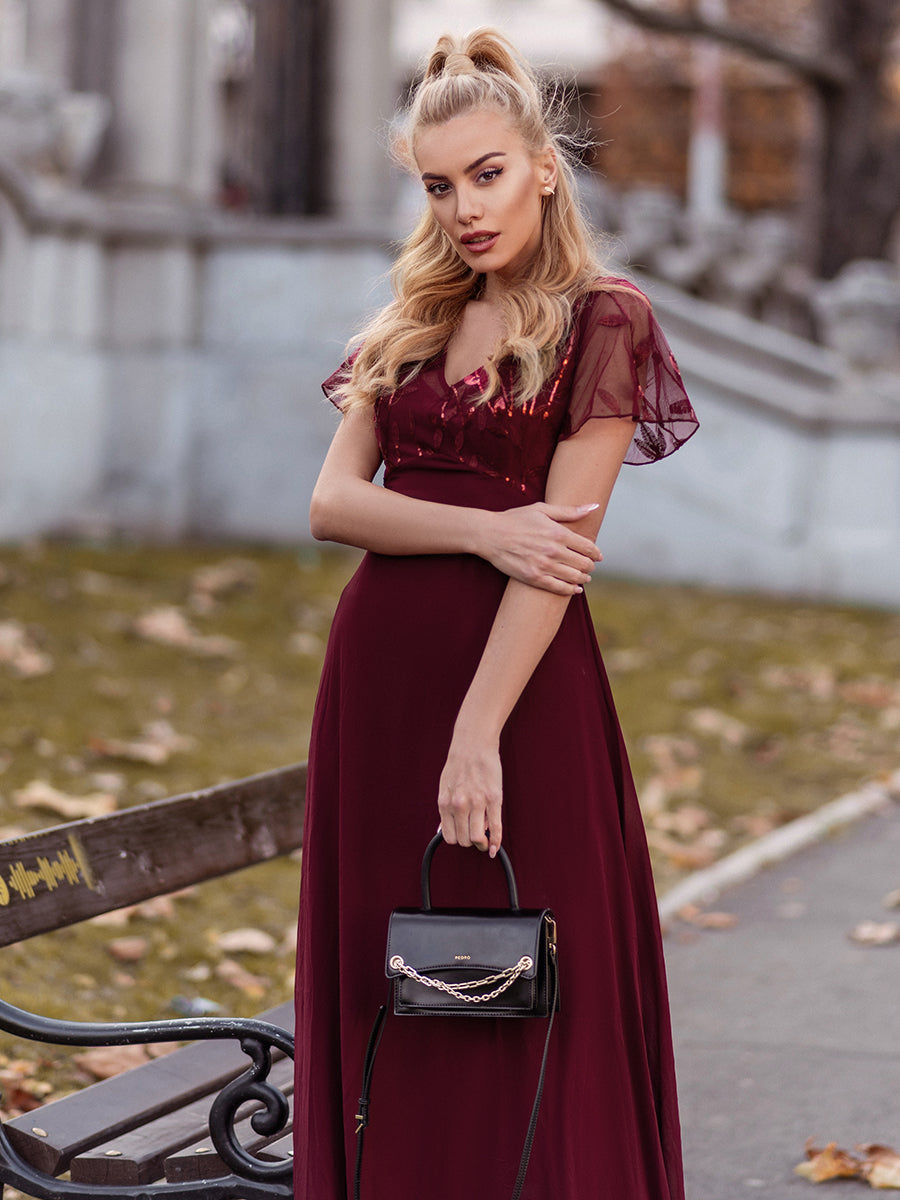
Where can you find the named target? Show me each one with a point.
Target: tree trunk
(290, 106)
(860, 172)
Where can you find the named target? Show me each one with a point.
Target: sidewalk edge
(704, 886)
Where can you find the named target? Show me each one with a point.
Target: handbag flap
(470, 938)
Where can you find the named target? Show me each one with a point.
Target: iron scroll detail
(252, 1178)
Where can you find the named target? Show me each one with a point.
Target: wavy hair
(431, 283)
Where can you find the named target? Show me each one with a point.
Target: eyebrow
(472, 166)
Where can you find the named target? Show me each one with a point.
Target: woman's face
(485, 189)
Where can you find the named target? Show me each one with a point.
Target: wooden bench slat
(199, 1160)
(139, 1155)
(63, 875)
(71, 1126)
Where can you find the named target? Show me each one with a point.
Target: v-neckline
(480, 373)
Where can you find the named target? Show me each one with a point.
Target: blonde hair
(431, 283)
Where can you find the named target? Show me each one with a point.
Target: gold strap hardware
(460, 990)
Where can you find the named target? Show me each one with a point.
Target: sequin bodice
(614, 362)
(449, 426)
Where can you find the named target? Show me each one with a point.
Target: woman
(463, 669)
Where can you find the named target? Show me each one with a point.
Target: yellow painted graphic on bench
(69, 867)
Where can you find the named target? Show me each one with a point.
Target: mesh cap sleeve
(625, 368)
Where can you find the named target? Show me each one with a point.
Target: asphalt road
(786, 1028)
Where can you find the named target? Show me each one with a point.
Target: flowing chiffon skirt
(451, 1097)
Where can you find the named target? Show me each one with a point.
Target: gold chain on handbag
(509, 977)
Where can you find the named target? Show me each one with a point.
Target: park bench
(198, 1122)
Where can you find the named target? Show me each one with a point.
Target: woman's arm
(537, 544)
(584, 469)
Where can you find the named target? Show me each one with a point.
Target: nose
(468, 204)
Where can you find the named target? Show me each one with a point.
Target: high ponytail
(432, 284)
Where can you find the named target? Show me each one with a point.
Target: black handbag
(468, 962)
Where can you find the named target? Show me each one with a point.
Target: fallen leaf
(156, 745)
(680, 854)
(21, 1091)
(874, 693)
(302, 642)
(664, 786)
(117, 918)
(105, 1061)
(694, 915)
(252, 941)
(817, 681)
(208, 584)
(712, 723)
(251, 985)
(686, 821)
(168, 626)
(881, 1165)
(157, 908)
(39, 794)
(876, 933)
(19, 651)
(828, 1163)
(128, 949)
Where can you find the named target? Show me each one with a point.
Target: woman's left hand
(470, 794)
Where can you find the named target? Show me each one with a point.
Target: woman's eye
(490, 173)
(437, 189)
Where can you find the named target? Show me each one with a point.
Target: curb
(704, 886)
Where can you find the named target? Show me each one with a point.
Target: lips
(479, 241)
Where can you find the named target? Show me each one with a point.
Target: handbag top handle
(426, 874)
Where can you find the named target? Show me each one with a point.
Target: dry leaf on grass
(876, 933)
(156, 745)
(251, 941)
(712, 723)
(168, 626)
(251, 985)
(209, 584)
(19, 651)
(105, 1061)
(39, 794)
(128, 949)
(690, 856)
(19, 1089)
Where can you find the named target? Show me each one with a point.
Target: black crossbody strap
(362, 1117)
(536, 1107)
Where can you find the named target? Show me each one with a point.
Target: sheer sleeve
(337, 379)
(624, 367)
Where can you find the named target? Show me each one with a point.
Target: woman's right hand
(535, 545)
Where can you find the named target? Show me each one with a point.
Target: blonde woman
(502, 389)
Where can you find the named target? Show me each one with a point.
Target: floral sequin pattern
(455, 428)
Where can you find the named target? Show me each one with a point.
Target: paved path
(785, 1028)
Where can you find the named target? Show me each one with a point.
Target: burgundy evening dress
(451, 1098)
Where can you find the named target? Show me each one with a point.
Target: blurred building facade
(182, 259)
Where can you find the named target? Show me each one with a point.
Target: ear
(548, 170)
